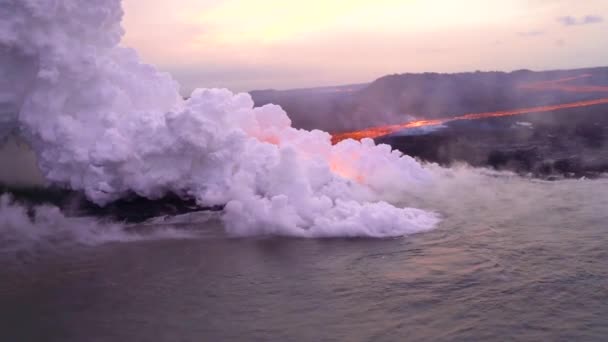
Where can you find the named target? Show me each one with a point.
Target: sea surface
(516, 261)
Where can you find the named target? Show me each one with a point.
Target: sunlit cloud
(268, 21)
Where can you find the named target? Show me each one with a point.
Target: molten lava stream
(379, 131)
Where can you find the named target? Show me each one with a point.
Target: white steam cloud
(103, 122)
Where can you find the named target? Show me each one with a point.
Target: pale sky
(258, 44)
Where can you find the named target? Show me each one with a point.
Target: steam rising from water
(44, 227)
(103, 122)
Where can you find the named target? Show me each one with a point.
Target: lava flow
(374, 132)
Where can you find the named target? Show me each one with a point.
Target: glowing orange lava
(379, 131)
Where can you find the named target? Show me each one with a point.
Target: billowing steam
(103, 122)
(46, 227)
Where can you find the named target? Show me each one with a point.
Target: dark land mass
(131, 209)
(403, 97)
(565, 143)
(568, 143)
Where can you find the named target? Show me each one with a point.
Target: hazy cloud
(203, 48)
(586, 20)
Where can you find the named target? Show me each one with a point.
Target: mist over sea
(515, 258)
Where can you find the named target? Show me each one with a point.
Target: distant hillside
(402, 97)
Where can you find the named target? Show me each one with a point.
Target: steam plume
(103, 122)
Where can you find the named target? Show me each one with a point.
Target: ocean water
(517, 260)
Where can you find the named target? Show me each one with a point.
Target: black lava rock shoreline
(563, 144)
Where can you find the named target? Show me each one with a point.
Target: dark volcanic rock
(131, 209)
(138, 209)
(569, 143)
